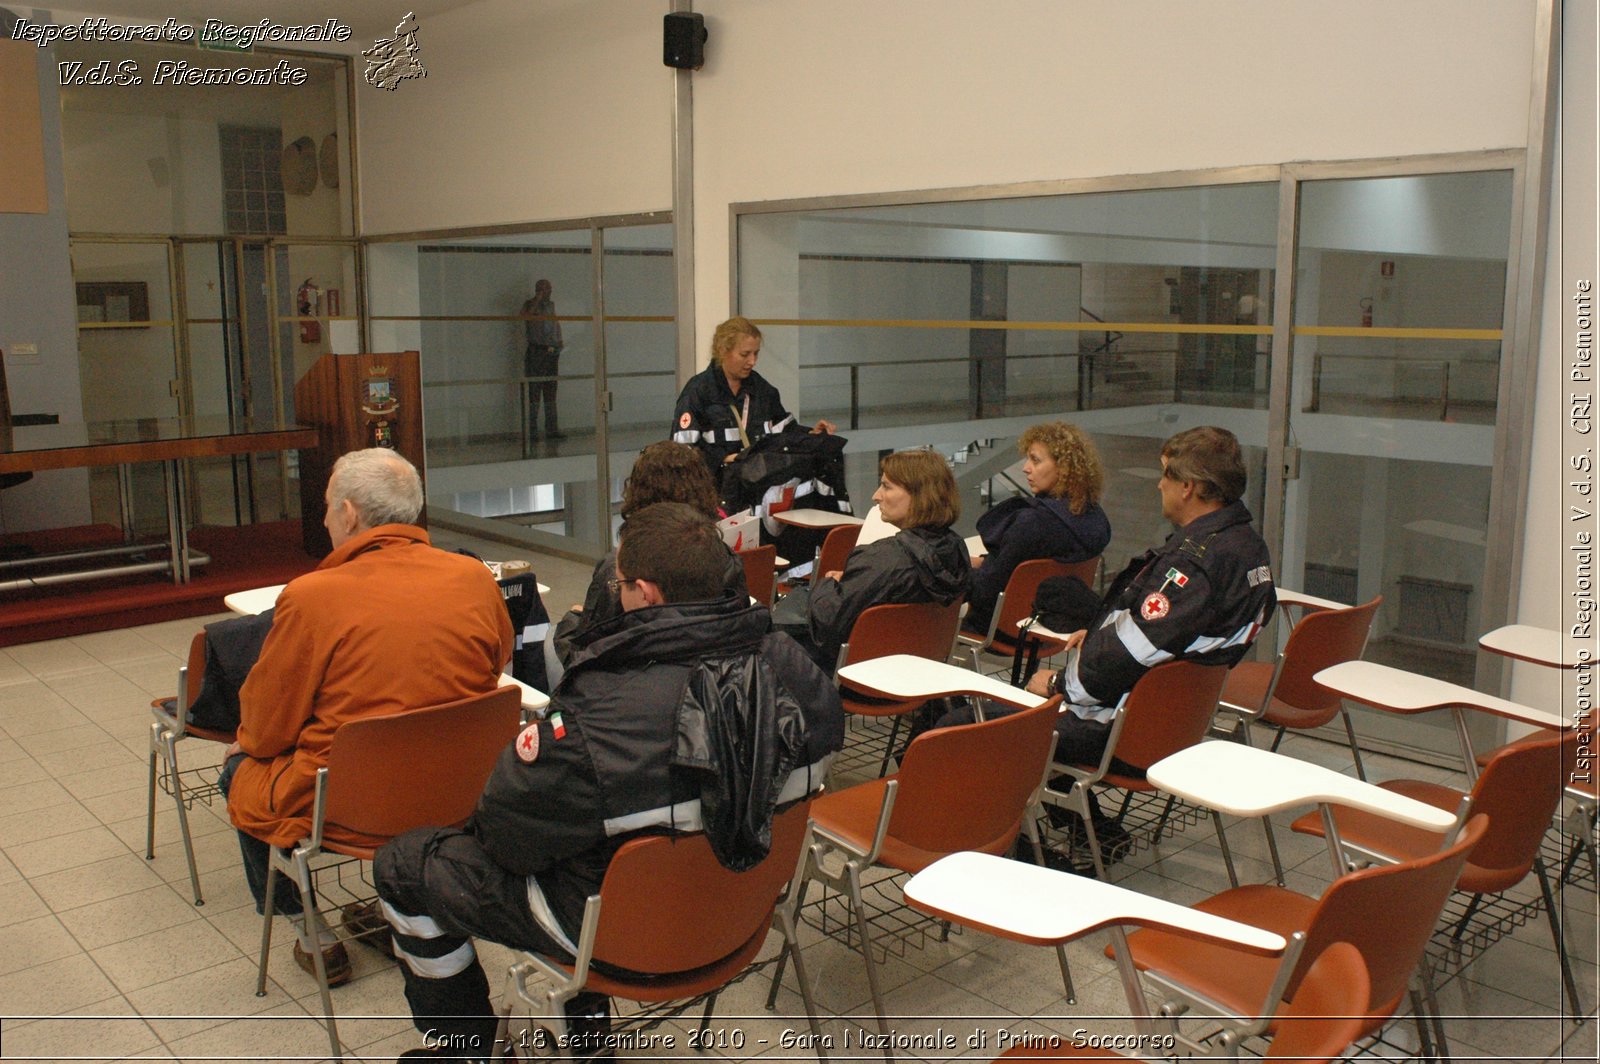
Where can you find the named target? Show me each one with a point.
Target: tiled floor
(104, 956)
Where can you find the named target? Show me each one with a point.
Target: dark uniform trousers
(439, 890)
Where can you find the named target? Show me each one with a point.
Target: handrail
(1444, 364)
(557, 377)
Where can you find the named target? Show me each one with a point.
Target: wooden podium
(355, 401)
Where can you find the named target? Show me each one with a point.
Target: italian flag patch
(1177, 578)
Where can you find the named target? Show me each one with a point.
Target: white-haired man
(385, 624)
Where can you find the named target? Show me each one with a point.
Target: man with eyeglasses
(600, 768)
(1203, 596)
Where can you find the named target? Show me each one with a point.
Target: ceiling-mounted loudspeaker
(684, 40)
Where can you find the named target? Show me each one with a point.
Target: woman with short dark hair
(926, 561)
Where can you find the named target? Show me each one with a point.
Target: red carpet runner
(241, 558)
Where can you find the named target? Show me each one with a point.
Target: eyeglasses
(616, 584)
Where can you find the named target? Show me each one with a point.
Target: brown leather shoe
(365, 923)
(334, 959)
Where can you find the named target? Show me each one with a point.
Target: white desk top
(260, 599)
(906, 676)
(815, 518)
(256, 600)
(532, 697)
(1399, 691)
(1244, 781)
(1044, 907)
(1310, 602)
(1542, 646)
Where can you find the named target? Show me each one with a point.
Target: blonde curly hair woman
(1062, 519)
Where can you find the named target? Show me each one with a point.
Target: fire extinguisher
(1366, 312)
(308, 303)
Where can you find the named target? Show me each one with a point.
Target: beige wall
(921, 94)
(530, 111)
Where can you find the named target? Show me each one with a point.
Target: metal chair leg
(1094, 846)
(791, 938)
(266, 928)
(1355, 748)
(1066, 974)
(1441, 1046)
(788, 914)
(888, 750)
(859, 908)
(705, 1017)
(1560, 940)
(1466, 917)
(313, 918)
(1272, 848)
(183, 820)
(150, 802)
(1227, 854)
(1161, 824)
(1419, 1015)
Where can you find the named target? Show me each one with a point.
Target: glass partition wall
(1400, 286)
(539, 444)
(1346, 329)
(213, 257)
(959, 324)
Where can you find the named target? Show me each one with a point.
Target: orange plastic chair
(968, 787)
(1317, 1027)
(1518, 790)
(831, 555)
(1015, 605)
(835, 549)
(1283, 693)
(652, 917)
(386, 776)
(924, 629)
(1584, 794)
(1168, 710)
(169, 728)
(1387, 913)
(761, 572)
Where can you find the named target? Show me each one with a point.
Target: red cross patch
(1154, 607)
(683, 422)
(527, 744)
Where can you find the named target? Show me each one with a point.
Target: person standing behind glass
(728, 406)
(1061, 520)
(544, 350)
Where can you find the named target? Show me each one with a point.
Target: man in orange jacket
(352, 639)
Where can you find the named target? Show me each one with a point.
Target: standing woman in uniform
(728, 406)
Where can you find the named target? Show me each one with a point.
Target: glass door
(128, 358)
(236, 336)
(1400, 286)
